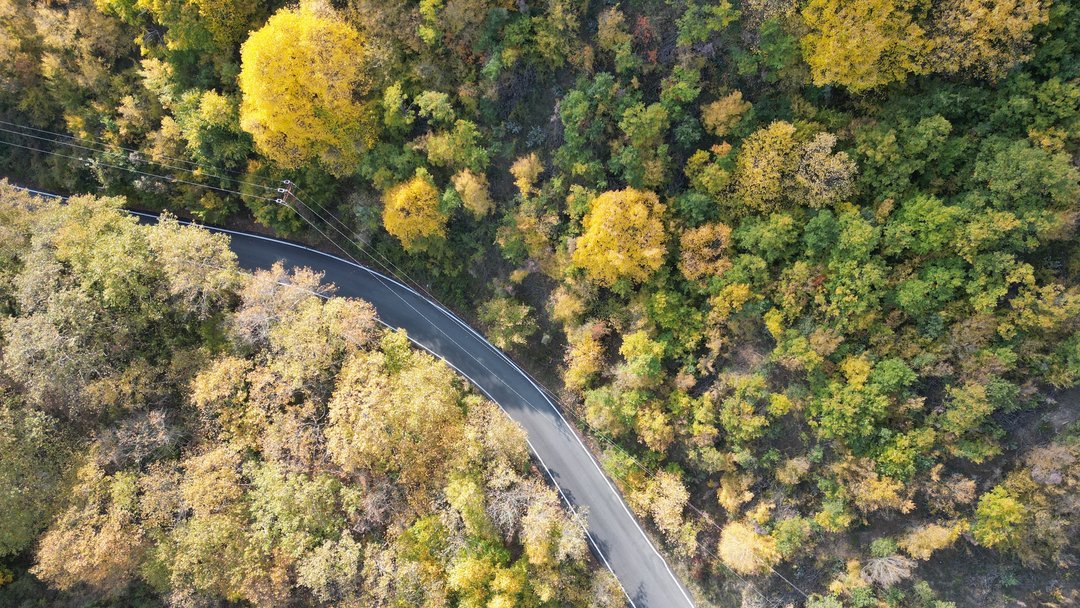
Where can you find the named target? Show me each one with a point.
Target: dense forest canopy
(804, 270)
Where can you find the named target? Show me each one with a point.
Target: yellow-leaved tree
(862, 44)
(703, 251)
(979, 38)
(412, 213)
(745, 550)
(624, 237)
(724, 114)
(473, 190)
(765, 166)
(301, 77)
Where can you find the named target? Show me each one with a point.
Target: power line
(398, 273)
(650, 472)
(166, 178)
(390, 267)
(136, 151)
(55, 140)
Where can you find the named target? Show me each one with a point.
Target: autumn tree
(642, 157)
(703, 252)
(96, 540)
(412, 213)
(745, 550)
(526, 170)
(302, 76)
(419, 402)
(862, 45)
(31, 457)
(584, 359)
(613, 36)
(458, 148)
(664, 499)
(922, 541)
(765, 165)
(998, 518)
(473, 190)
(179, 249)
(720, 117)
(643, 367)
(824, 177)
(623, 237)
(972, 37)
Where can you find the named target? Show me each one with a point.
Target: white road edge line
(569, 505)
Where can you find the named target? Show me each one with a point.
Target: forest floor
(974, 577)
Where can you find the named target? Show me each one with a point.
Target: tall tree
(863, 44)
(303, 76)
(624, 237)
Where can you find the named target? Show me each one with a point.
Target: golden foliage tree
(665, 499)
(745, 550)
(96, 540)
(301, 76)
(702, 251)
(584, 359)
(526, 170)
(417, 408)
(764, 166)
(473, 190)
(624, 237)
(724, 114)
(548, 534)
(412, 213)
(983, 38)
(862, 44)
(922, 541)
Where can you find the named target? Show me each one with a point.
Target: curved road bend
(613, 531)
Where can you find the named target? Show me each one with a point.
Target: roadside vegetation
(805, 273)
(173, 431)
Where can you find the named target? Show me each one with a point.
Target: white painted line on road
(569, 505)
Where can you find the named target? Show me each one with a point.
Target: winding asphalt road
(614, 534)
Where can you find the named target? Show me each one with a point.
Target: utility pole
(285, 193)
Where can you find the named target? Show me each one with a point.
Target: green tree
(32, 457)
(510, 323)
(643, 158)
